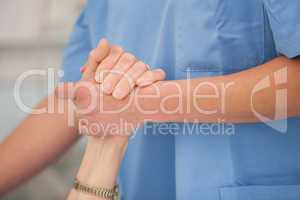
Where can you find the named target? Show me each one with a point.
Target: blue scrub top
(203, 38)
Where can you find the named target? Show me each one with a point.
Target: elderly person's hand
(103, 102)
(108, 71)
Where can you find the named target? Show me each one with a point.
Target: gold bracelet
(111, 194)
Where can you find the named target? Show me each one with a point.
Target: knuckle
(81, 94)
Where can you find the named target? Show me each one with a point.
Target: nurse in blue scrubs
(248, 160)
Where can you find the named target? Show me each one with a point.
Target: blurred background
(33, 34)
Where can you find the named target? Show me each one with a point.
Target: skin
(102, 159)
(41, 139)
(100, 165)
(103, 156)
(117, 71)
(235, 105)
(57, 136)
(237, 110)
(236, 98)
(33, 145)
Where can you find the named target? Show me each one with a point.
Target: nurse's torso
(200, 38)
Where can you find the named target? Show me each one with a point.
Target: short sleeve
(77, 50)
(284, 17)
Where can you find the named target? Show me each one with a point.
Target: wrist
(109, 153)
(150, 101)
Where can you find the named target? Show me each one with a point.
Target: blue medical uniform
(200, 38)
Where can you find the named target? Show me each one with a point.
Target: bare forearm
(36, 142)
(230, 98)
(100, 165)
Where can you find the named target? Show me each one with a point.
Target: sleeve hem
(288, 48)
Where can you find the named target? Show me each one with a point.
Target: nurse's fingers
(126, 61)
(149, 77)
(108, 63)
(127, 82)
(96, 56)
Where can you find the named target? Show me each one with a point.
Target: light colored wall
(32, 36)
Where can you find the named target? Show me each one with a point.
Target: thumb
(65, 90)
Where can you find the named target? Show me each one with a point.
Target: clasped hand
(104, 97)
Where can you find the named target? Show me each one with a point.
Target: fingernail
(82, 69)
(100, 41)
(145, 83)
(119, 94)
(101, 77)
(107, 88)
(97, 78)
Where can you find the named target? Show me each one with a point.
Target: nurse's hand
(119, 72)
(94, 106)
